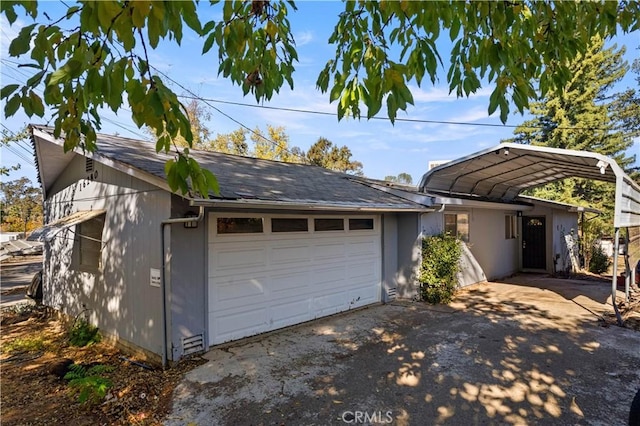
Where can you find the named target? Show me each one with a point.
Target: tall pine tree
(586, 116)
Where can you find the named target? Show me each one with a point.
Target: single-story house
(281, 244)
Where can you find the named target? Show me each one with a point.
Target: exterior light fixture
(192, 223)
(506, 151)
(603, 166)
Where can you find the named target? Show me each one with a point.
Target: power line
(408, 120)
(194, 96)
(332, 114)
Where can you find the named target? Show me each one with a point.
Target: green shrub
(82, 333)
(599, 262)
(440, 263)
(88, 382)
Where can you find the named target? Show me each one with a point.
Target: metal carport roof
(501, 173)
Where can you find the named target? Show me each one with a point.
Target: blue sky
(383, 148)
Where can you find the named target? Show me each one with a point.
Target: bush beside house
(440, 263)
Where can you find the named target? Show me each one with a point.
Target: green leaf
(20, 44)
(8, 90)
(12, 106)
(36, 103)
(208, 43)
(36, 79)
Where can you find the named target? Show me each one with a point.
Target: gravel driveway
(528, 351)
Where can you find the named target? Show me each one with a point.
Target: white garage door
(269, 272)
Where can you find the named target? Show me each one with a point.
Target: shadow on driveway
(527, 351)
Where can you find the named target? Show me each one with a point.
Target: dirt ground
(34, 350)
(386, 364)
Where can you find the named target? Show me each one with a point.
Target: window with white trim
(87, 245)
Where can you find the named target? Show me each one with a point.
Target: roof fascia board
(114, 164)
(573, 208)
(36, 147)
(286, 205)
(425, 200)
(451, 201)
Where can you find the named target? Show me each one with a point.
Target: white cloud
(302, 38)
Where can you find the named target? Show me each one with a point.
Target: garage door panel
(362, 248)
(362, 296)
(241, 287)
(331, 276)
(328, 304)
(266, 281)
(282, 255)
(364, 269)
(289, 313)
(293, 281)
(232, 325)
(238, 257)
(329, 251)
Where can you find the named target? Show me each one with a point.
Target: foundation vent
(193, 344)
(391, 294)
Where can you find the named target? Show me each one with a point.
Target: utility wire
(408, 120)
(206, 101)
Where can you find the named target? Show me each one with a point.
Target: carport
(503, 172)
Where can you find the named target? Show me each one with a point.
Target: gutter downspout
(163, 287)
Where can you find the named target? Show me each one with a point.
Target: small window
(289, 225)
(458, 225)
(240, 225)
(510, 227)
(360, 224)
(88, 244)
(328, 224)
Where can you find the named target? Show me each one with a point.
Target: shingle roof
(245, 178)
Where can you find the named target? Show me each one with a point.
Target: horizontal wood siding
(119, 297)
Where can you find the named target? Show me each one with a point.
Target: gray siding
(489, 255)
(389, 255)
(409, 254)
(188, 278)
(497, 255)
(118, 296)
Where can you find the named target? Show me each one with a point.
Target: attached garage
(271, 271)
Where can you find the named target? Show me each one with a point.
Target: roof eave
(310, 206)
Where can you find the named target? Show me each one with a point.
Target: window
(510, 227)
(239, 225)
(328, 224)
(88, 244)
(289, 225)
(457, 224)
(360, 224)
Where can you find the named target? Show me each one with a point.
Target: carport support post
(614, 278)
(627, 267)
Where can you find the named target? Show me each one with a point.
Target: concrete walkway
(15, 277)
(526, 351)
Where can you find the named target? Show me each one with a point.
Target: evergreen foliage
(440, 264)
(585, 115)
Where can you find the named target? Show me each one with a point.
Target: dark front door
(533, 243)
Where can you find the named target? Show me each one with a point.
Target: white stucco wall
(493, 256)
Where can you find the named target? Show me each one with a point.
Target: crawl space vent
(193, 344)
(391, 293)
